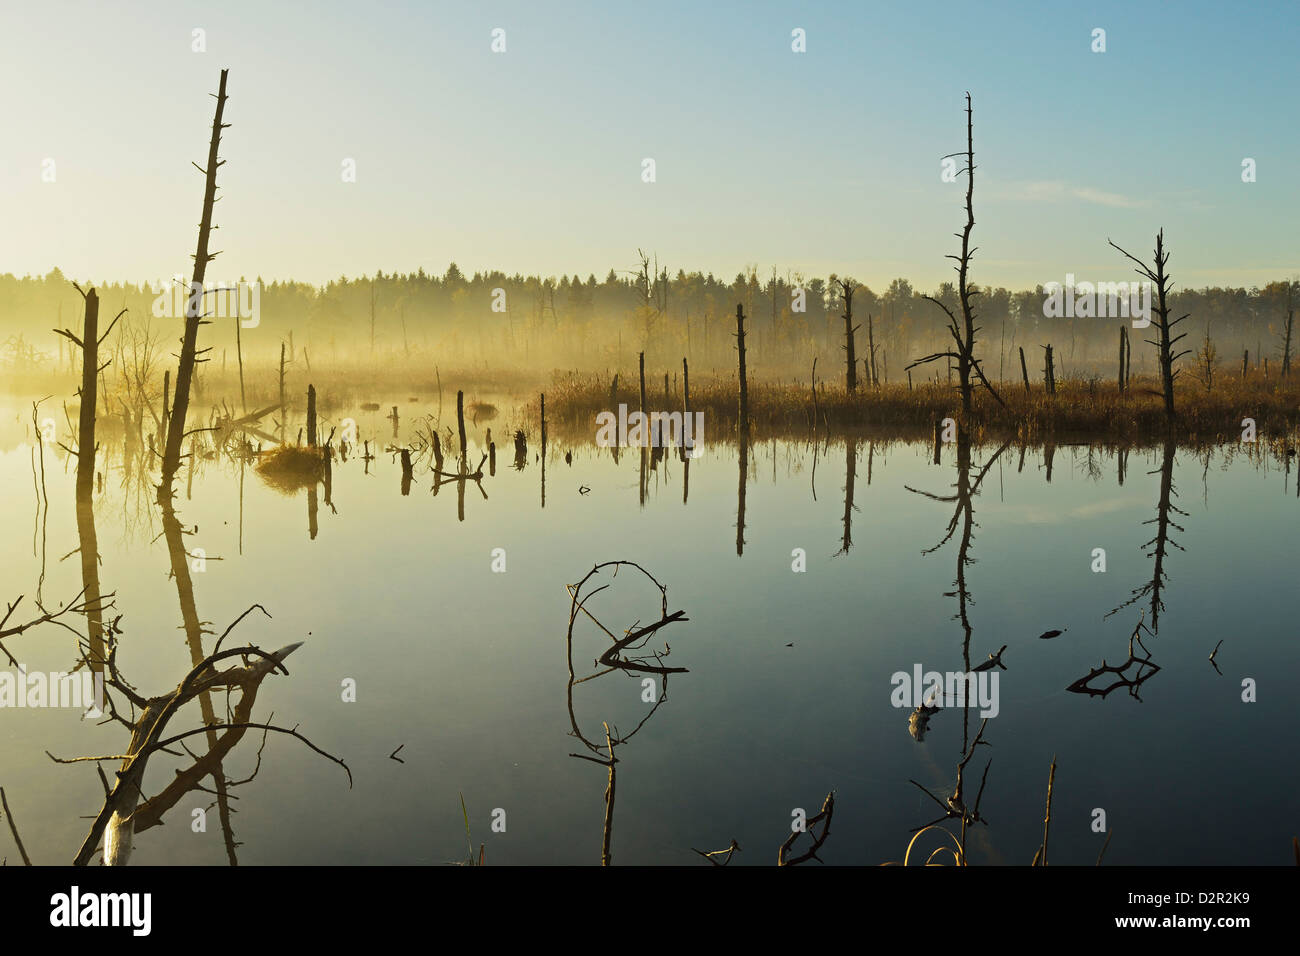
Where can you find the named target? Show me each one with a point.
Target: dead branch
(13, 828)
(824, 818)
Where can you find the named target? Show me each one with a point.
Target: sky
(531, 160)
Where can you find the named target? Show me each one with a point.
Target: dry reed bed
(1081, 409)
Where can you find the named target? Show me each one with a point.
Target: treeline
(589, 323)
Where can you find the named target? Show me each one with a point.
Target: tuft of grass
(290, 468)
(955, 851)
(482, 850)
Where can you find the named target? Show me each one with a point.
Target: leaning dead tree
(190, 352)
(126, 810)
(1165, 340)
(964, 330)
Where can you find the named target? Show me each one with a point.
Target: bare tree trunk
(851, 362)
(1123, 345)
(871, 350)
(460, 426)
(86, 420)
(1286, 346)
(311, 416)
(641, 368)
(194, 308)
(744, 386)
(239, 355)
(963, 331)
(1024, 370)
(282, 409)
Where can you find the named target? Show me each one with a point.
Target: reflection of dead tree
(818, 839)
(1159, 545)
(743, 456)
(123, 814)
(850, 474)
(955, 807)
(462, 473)
(612, 659)
(1145, 669)
(963, 516)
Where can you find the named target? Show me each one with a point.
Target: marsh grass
(1081, 409)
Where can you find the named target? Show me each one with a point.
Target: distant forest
(568, 322)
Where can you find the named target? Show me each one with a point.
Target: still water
(453, 634)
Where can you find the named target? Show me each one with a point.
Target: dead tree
(311, 416)
(744, 386)
(194, 307)
(1286, 342)
(89, 343)
(851, 362)
(641, 367)
(1024, 370)
(871, 351)
(125, 810)
(1166, 341)
(1123, 355)
(239, 355)
(1049, 371)
(823, 817)
(963, 331)
(1206, 359)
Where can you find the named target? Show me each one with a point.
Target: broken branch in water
(956, 807)
(1145, 669)
(123, 813)
(995, 660)
(824, 818)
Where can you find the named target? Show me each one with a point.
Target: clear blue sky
(530, 160)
